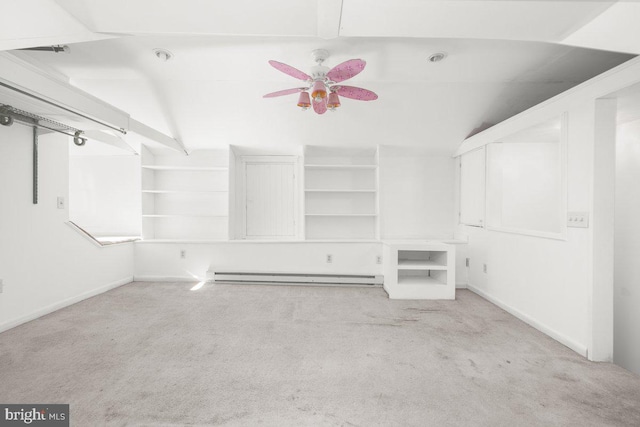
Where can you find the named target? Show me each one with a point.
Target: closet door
(270, 200)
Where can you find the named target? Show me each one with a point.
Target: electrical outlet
(379, 259)
(484, 268)
(466, 262)
(183, 254)
(578, 219)
(329, 258)
(1, 286)
(60, 202)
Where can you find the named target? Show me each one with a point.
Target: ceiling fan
(323, 83)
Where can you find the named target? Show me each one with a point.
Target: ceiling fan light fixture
(319, 91)
(334, 101)
(304, 101)
(323, 83)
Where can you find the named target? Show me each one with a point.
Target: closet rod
(124, 132)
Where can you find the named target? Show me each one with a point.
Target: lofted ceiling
(503, 57)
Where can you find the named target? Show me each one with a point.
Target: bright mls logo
(34, 415)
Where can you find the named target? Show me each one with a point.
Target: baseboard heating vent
(294, 279)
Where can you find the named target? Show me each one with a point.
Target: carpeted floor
(158, 354)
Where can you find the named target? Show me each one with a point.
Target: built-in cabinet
(340, 193)
(185, 197)
(419, 270)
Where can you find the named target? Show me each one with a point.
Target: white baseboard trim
(461, 286)
(62, 304)
(166, 279)
(562, 339)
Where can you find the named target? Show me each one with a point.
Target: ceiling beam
(150, 134)
(329, 16)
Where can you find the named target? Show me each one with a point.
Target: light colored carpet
(159, 354)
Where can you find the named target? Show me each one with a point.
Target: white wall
(162, 260)
(416, 194)
(626, 352)
(546, 282)
(104, 194)
(44, 263)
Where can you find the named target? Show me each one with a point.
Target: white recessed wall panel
(416, 194)
(340, 227)
(472, 187)
(525, 187)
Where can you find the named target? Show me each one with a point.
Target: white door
(270, 200)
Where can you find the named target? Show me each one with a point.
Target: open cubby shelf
(412, 264)
(420, 280)
(185, 197)
(419, 270)
(341, 193)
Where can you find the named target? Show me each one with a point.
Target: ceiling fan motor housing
(319, 72)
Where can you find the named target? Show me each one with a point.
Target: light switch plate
(60, 202)
(578, 219)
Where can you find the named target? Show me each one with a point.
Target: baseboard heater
(294, 279)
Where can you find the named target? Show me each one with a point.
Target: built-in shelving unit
(341, 193)
(419, 270)
(185, 198)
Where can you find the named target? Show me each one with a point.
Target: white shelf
(181, 241)
(340, 214)
(183, 191)
(185, 168)
(185, 198)
(326, 190)
(183, 216)
(411, 264)
(347, 167)
(419, 280)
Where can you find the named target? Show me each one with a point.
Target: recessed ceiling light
(163, 54)
(437, 57)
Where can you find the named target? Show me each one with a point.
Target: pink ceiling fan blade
(284, 92)
(346, 70)
(355, 93)
(288, 69)
(320, 107)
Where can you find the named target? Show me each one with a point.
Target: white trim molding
(62, 304)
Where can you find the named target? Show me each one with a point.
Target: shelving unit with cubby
(185, 197)
(419, 270)
(341, 193)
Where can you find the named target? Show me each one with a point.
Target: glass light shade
(319, 91)
(303, 101)
(334, 101)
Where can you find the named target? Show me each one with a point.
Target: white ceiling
(503, 57)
